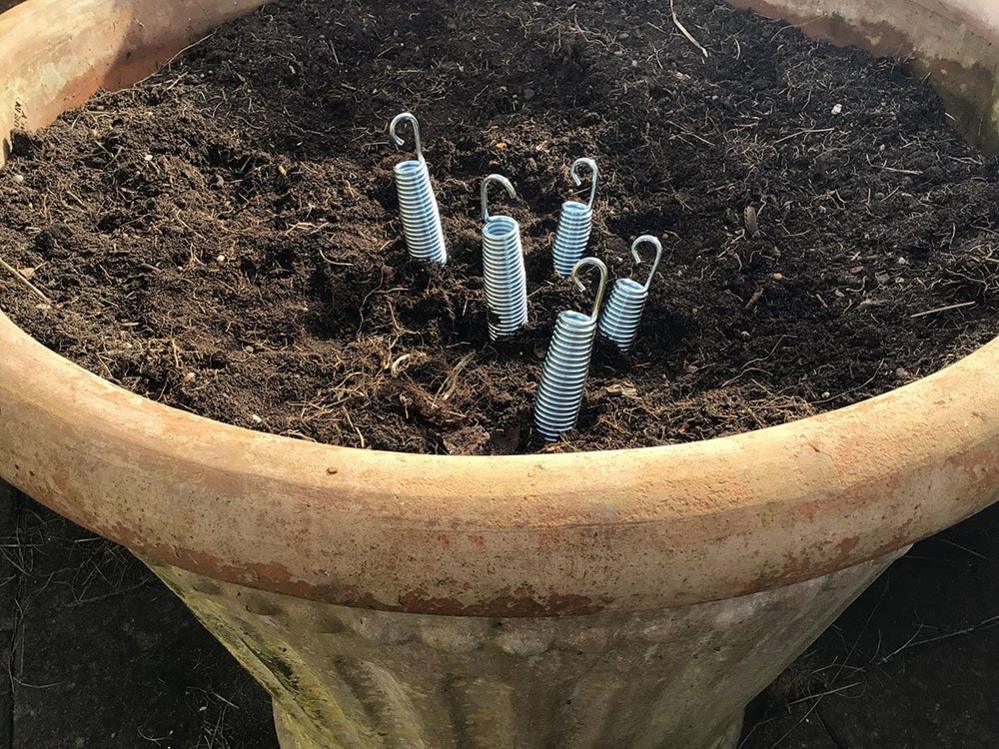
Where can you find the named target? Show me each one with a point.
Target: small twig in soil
(810, 131)
(948, 308)
(450, 384)
(396, 367)
(687, 35)
(113, 594)
(176, 353)
(757, 295)
(992, 621)
(820, 695)
(964, 549)
(687, 132)
(333, 262)
(350, 421)
(752, 219)
(853, 390)
(189, 47)
(747, 367)
(20, 277)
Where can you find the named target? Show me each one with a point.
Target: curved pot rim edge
(664, 526)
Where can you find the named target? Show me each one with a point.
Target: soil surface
(100, 654)
(224, 237)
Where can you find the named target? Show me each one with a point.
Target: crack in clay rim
(527, 535)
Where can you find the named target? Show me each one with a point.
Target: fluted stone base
(288, 735)
(676, 679)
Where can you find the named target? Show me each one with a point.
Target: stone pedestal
(677, 678)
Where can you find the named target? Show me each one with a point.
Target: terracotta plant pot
(630, 598)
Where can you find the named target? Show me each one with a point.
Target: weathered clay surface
(513, 536)
(344, 677)
(517, 536)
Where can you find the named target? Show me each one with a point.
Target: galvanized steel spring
(574, 223)
(503, 263)
(567, 363)
(421, 221)
(623, 312)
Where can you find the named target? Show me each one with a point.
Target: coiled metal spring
(574, 223)
(421, 221)
(567, 363)
(623, 312)
(503, 263)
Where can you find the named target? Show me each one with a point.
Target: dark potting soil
(224, 237)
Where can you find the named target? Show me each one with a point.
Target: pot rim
(526, 535)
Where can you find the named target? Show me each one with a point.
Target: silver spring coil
(574, 223)
(623, 312)
(503, 265)
(567, 363)
(421, 221)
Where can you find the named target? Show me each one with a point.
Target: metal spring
(503, 263)
(574, 223)
(567, 363)
(421, 221)
(623, 312)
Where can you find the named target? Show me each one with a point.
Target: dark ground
(224, 239)
(104, 656)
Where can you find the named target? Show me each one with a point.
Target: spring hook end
(601, 287)
(484, 192)
(414, 124)
(591, 165)
(654, 241)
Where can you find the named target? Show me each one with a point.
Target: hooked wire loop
(484, 192)
(594, 176)
(414, 124)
